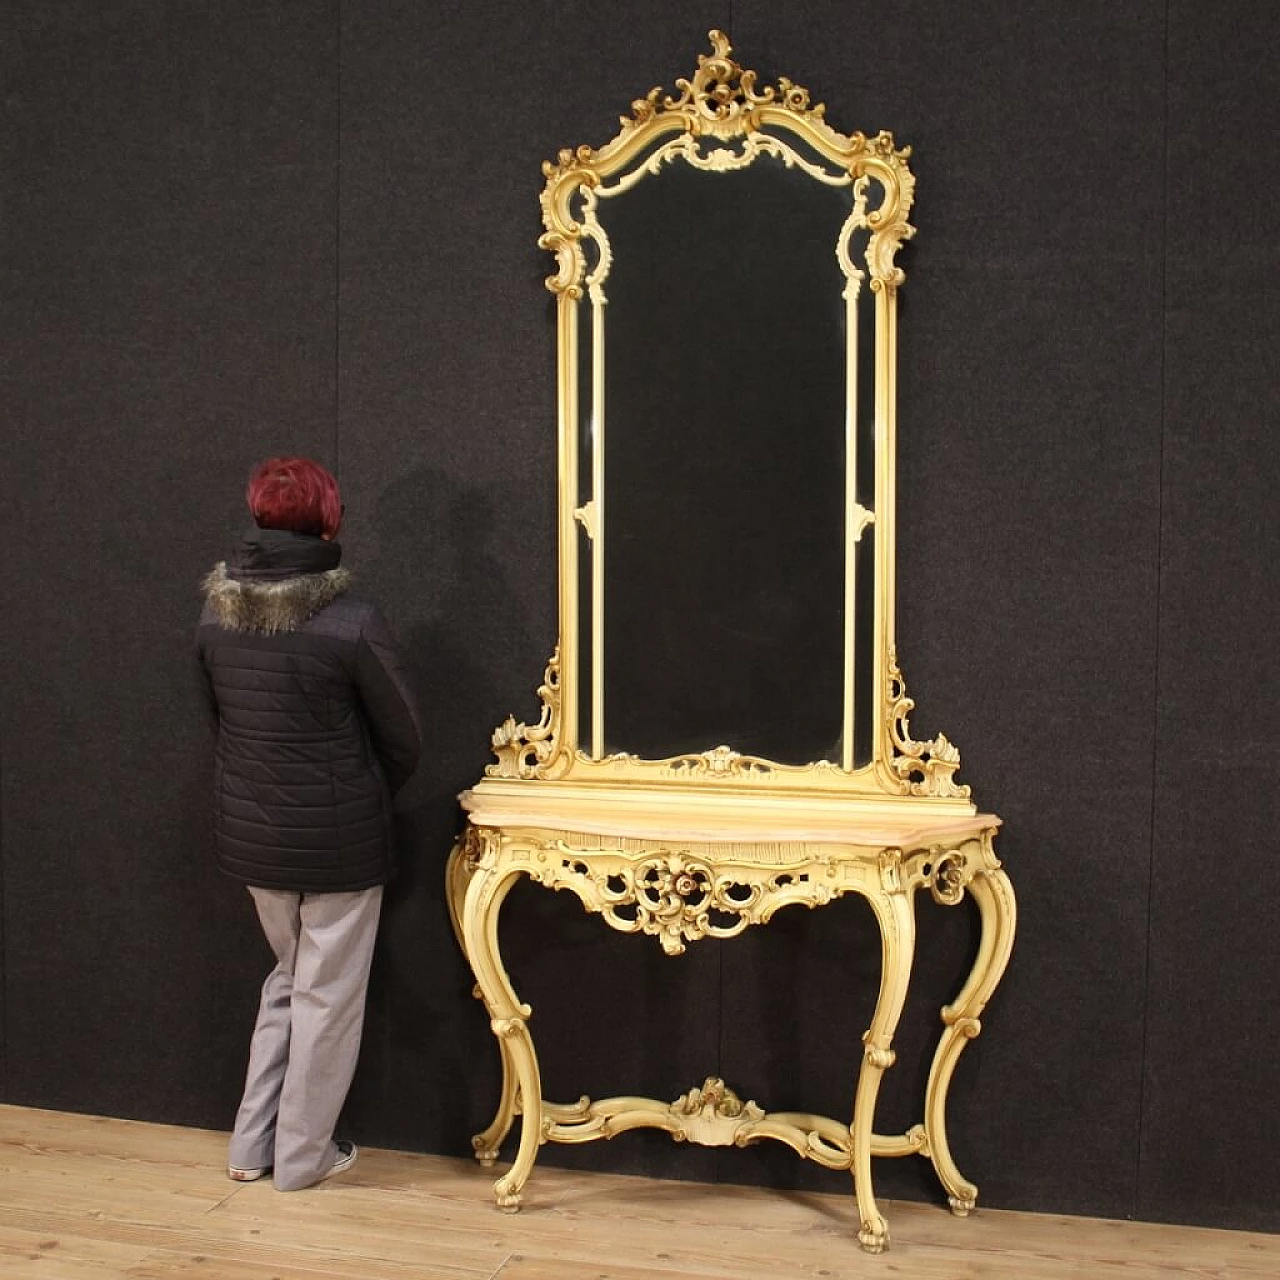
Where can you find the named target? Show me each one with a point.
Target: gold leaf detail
(714, 1115)
(531, 751)
(722, 101)
(720, 762)
(678, 897)
(928, 768)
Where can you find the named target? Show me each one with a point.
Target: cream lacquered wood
(709, 844)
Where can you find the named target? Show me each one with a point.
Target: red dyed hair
(295, 494)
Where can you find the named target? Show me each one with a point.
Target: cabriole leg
(457, 876)
(993, 893)
(486, 891)
(893, 911)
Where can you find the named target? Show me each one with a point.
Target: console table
(644, 870)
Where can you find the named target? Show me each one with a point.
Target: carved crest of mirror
(725, 725)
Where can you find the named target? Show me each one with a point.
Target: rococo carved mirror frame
(706, 844)
(721, 122)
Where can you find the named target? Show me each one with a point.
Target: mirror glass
(725, 396)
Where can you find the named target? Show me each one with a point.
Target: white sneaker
(348, 1154)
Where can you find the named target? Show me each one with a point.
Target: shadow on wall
(427, 1068)
(462, 627)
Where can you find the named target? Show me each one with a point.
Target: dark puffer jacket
(316, 727)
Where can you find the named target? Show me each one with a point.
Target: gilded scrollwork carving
(714, 1116)
(531, 751)
(947, 871)
(889, 864)
(726, 159)
(720, 98)
(721, 91)
(951, 872)
(476, 844)
(880, 1059)
(719, 762)
(710, 1115)
(889, 222)
(678, 898)
(928, 768)
(722, 102)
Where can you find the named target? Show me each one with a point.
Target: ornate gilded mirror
(727, 327)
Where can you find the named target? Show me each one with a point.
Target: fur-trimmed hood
(271, 606)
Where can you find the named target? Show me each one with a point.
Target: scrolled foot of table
(508, 1201)
(487, 1156)
(874, 1236)
(963, 1206)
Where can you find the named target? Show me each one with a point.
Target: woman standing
(315, 732)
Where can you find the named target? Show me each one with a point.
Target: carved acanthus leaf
(714, 1115)
(531, 751)
(721, 91)
(928, 768)
(478, 843)
(888, 223)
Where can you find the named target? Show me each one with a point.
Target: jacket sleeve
(382, 682)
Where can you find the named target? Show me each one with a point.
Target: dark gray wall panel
(140, 414)
(135, 85)
(1211, 1127)
(168, 279)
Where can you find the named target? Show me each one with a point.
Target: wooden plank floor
(86, 1198)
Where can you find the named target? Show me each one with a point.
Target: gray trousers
(304, 1048)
